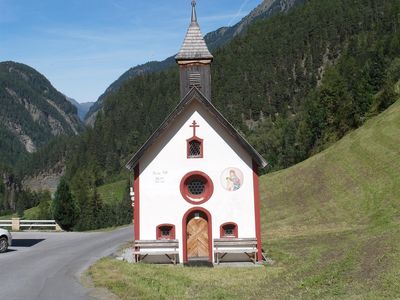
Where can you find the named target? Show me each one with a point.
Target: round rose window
(196, 187)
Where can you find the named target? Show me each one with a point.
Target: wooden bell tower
(194, 60)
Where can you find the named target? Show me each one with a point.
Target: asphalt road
(47, 266)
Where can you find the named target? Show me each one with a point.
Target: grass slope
(113, 192)
(331, 224)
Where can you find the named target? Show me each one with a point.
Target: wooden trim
(235, 230)
(172, 232)
(256, 188)
(184, 62)
(201, 141)
(193, 199)
(184, 233)
(136, 189)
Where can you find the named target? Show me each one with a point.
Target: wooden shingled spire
(194, 47)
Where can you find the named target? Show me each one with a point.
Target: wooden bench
(225, 246)
(169, 248)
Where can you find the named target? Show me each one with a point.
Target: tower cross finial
(194, 15)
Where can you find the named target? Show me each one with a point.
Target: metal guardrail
(17, 224)
(5, 223)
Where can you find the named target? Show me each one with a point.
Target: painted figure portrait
(232, 179)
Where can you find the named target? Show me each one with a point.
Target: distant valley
(83, 108)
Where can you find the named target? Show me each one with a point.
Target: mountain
(140, 70)
(293, 85)
(214, 40)
(263, 11)
(83, 108)
(32, 112)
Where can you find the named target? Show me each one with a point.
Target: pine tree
(64, 206)
(96, 205)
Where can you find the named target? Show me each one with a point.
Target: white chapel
(195, 179)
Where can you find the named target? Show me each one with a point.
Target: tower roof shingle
(194, 46)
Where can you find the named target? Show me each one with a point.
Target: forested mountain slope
(214, 40)
(32, 112)
(293, 85)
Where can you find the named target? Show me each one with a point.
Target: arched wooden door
(197, 236)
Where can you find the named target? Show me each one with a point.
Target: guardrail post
(58, 227)
(15, 224)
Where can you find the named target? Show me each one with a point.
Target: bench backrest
(156, 244)
(235, 242)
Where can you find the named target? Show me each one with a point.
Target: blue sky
(82, 46)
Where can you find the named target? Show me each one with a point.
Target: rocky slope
(32, 111)
(214, 40)
(47, 180)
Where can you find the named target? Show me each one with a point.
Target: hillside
(356, 182)
(293, 85)
(214, 40)
(330, 225)
(341, 210)
(32, 112)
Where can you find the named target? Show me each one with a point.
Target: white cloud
(239, 12)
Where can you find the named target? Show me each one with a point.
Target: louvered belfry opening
(195, 80)
(194, 60)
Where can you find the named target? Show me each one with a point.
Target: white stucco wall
(164, 165)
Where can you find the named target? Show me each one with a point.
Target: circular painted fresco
(232, 179)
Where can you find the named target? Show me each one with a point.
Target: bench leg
(141, 258)
(173, 259)
(221, 257)
(254, 260)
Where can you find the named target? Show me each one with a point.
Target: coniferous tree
(64, 206)
(96, 207)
